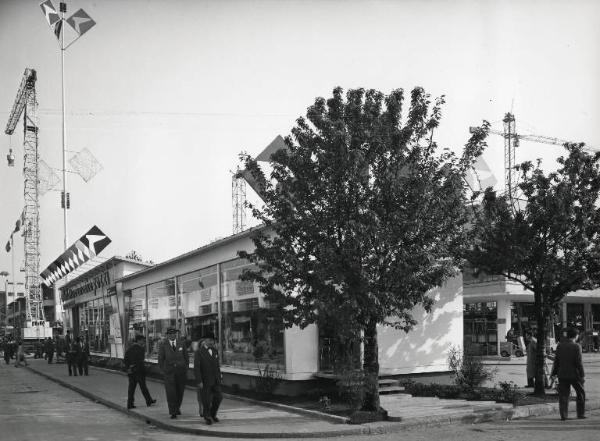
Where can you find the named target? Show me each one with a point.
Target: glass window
(252, 335)
(480, 328)
(136, 313)
(162, 313)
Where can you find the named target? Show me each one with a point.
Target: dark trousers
(564, 391)
(72, 365)
(6, 357)
(134, 380)
(174, 387)
(82, 366)
(50, 356)
(209, 397)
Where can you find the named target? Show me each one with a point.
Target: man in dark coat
(7, 347)
(73, 353)
(208, 378)
(136, 371)
(84, 358)
(568, 367)
(173, 362)
(49, 349)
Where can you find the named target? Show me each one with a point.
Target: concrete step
(388, 390)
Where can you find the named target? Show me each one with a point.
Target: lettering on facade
(89, 285)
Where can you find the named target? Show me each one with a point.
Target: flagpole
(63, 10)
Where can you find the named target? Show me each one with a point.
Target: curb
(292, 409)
(394, 425)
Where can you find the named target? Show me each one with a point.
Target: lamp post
(5, 274)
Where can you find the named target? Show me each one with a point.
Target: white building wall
(426, 347)
(301, 352)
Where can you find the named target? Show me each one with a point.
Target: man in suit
(136, 371)
(173, 362)
(49, 349)
(208, 378)
(568, 367)
(73, 353)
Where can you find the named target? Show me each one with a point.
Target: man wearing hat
(136, 371)
(208, 377)
(173, 362)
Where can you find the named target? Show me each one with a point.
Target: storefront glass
(252, 335)
(136, 313)
(480, 328)
(162, 313)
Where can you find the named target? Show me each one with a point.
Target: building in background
(493, 305)
(91, 307)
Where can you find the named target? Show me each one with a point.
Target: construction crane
(511, 142)
(26, 104)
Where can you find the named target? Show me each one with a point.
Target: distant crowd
(75, 352)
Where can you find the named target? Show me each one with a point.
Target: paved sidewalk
(241, 418)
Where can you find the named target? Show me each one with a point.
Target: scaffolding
(238, 198)
(26, 104)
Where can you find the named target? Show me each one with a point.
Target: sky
(166, 94)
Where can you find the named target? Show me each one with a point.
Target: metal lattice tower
(238, 198)
(26, 104)
(510, 144)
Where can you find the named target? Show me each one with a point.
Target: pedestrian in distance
(49, 349)
(207, 372)
(568, 367)
(136, 371)
(73, 353)
(20, 354)
(6, 347)
(531, 359)
(84, 358)
(173, 362)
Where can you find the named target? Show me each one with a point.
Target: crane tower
(26, 104)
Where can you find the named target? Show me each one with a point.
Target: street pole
(63, 10)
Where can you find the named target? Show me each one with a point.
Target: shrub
(267, 381)
(434, 390)
(509, 393)
(325, 402)
(468, 370)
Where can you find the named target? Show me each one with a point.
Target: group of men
(77, 354)
(173, 363)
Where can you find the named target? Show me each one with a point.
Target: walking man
(49, 350)
(136, 371)
(568, 367)
(73, 352)
(208, 378)
(84, 358)
(173, 362)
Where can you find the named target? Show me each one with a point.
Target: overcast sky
(166, 94)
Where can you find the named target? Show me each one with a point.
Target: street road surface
(33, 408)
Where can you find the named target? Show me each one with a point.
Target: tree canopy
(549, 241)
(367, 213)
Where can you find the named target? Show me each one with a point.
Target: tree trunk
(371, 368)
(540, 357)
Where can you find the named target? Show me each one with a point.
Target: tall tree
(367, 215)
(549, 241)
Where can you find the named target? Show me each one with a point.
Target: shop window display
(252, 336)
(136, 308)
(481, 328)
(162, 313)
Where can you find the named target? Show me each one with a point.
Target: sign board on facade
(87, 286)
